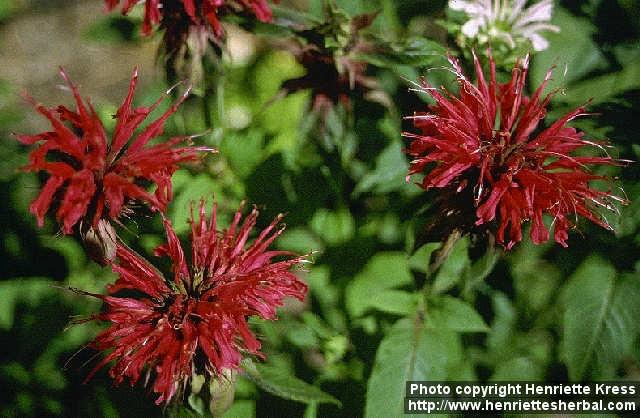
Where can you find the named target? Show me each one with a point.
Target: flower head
(486, 143)
(196, 320)
(328, 53)
(199, 13)
(93, 178)
(507, 21)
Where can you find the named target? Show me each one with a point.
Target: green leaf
(447, 312)
(277, 381)
(385, 271)
(190, 190)
(600, 319)
(389, 173)
(28, 290)
(335, 227)
(71, 250)
(398, 302)
(421, 259)
(112, 29)
(243, 151)
(299, 240)
(573, 46)
(241, 409)
(9, 7)
(452, 270)
(414, 52)
(328, 296)
(502, 327)
(535, 279)
(410, 351)
(602, 88)
(518, 368)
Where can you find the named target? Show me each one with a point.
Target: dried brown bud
(99, 242)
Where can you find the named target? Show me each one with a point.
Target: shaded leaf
(600, 319)
(28, 290)
(421, 259)
(385, 271)
(389, 173)
(334, 227)
(409, 351)
(605, 87)
(572, 47)
(241, 409)
(277, 381)
(447, 312)
(452, 270)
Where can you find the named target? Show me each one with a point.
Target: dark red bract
(488, 138)
(92, 178)
(197, 320)
(200, 12)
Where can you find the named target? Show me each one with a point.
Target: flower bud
(99, 242)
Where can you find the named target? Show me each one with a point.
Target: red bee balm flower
(487, 138)
(91, 178)
(196, 321)
(205, 11)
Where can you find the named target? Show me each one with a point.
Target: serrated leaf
(276, 381)
(447, 312)
(385, 271)
(600, 319)
(409, 351)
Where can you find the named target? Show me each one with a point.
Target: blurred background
(550, 313)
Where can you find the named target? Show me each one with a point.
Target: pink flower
(199, 12)
(91, 177)
(487, 140)
(196, 320)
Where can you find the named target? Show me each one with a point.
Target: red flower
(200, 12)
(487, 140)
(92, 178)
(197, 320)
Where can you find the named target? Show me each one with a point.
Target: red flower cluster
(196, 321)
(200, 12)
(487, 138)
(96, 178)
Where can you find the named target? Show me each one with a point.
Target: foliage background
(542, 313)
